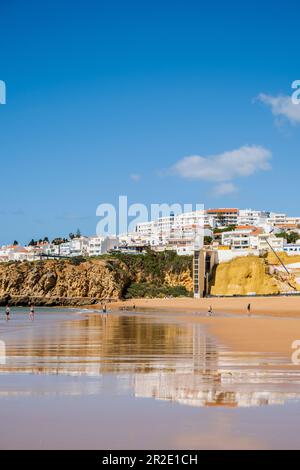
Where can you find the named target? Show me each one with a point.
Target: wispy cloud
(224, 189)
(281, 106)
(225, 167)
(135, 177)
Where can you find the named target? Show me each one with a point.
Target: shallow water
(130, 380)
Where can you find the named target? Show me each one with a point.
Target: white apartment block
(237, 239)
(277, 218)
(101, 245)
(265, 240)
(253, 240)
(64, 249)
(177, 231)
(251, 217)
(293, 221)
(223, 217)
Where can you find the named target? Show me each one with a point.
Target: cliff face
(83, 282)
(68, 282)
(60, 282)
(250, 274)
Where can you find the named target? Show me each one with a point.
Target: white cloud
(224, 188)
(226, 166)
(135, 177)
(282, 106)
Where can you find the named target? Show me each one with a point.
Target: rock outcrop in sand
(249, 275)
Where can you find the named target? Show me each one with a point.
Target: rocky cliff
(89, 281)
(81, 282)
(252, 274)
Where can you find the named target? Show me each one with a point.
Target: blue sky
(109, 98)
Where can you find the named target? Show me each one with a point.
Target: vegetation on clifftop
(79, 281)
(145, 289)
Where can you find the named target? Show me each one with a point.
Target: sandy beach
(271, 306)
(162, 368)
(272, 327)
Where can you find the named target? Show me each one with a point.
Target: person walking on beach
(7, 312)
(104, 308)
(210, 311)
(31, 313)
(249, 309)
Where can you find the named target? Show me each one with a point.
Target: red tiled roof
(245, 227)
(222, 211)
(257, 231)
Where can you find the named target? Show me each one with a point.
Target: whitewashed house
(101, 245)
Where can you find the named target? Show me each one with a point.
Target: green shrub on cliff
(154, 264)
(145, 289)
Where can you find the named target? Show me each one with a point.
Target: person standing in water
(104, 308)
(31, 313)
(7, 312)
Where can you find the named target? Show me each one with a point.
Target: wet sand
(98, 422)
(128, 380)
(272, 327)
(270, 335)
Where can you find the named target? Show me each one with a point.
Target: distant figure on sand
(249, 309)
(210, 311)
(31, 313)
(104, 308)
(7, 312)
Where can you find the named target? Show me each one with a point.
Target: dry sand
(273, 306)
(273, 326)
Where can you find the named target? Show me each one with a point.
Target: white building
(252, 238)
(18, 253)
(277, 218)
(292, 249)
(223, 217)
(252, 217)
(238, 239)
(79, 246)
(177, 232)
(51, 250)
(101, 245)
(265, 240)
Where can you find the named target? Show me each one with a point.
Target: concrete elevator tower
(199, 273)
(198, 262)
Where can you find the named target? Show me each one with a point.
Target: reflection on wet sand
(151, 356)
